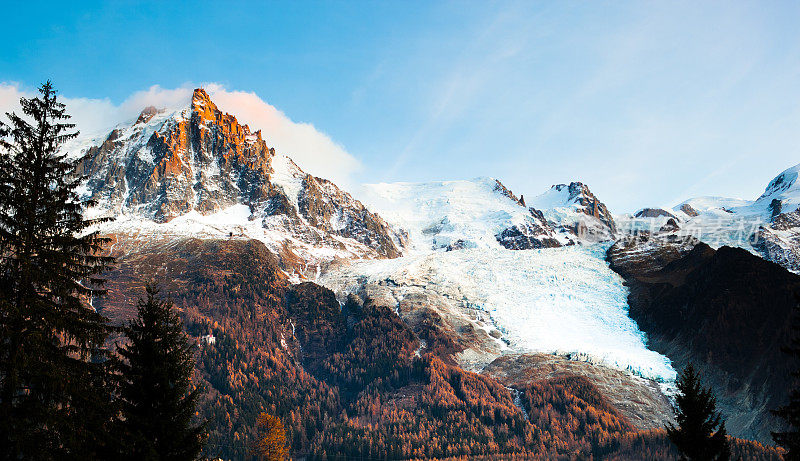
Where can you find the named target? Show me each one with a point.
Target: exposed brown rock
(653, 213)
(686, 208)
(499, 187)
(639, 400)
(728, 312)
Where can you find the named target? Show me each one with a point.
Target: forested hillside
(352, 381)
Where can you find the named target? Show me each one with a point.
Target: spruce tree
(157, 399)
(700, 434)
(54, 388)
(790, 413)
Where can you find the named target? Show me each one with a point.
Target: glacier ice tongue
(557, 300)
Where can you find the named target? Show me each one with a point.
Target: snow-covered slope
(782, 195)
(479, 213)
(563, 299)
(768, 226)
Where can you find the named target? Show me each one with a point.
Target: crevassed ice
(557, 300)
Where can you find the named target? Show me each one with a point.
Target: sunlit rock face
(167, 165)
(200, 164)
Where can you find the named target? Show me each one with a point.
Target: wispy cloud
(491, 47)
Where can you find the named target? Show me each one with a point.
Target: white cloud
(9, 98)
(311, 149)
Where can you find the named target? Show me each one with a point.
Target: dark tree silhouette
(157, 399)
(54, 390)
(790, 438)
(700, 434)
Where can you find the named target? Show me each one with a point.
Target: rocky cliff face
(780, 241)
(727, 311)
(587, 203)
(647, 253)
(199, 159)
(203, 161)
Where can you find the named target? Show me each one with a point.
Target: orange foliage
(345, 382)
(271, 442)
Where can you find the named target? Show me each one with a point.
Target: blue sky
(647, 103)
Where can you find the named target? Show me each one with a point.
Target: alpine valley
(445, 319)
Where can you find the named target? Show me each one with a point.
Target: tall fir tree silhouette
(157, 399)
(790, 413)
(700, 434)
(54, 380)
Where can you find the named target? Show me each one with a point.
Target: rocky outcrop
(580, 194)
(646, 253)
(779, 242)
(670, 226)
(691, 212)
(332, 210)
(499, 187)
(575, 209)
(533, 233)
(526, 237)
(653, 213)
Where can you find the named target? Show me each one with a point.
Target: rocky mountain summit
(200, 163)
(768, 226)
(165, 166)
(576, 209)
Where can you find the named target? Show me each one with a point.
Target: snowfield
(438, 214)
(733, 222)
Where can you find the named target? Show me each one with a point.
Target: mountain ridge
(199, 165)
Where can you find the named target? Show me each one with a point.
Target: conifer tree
(790, 413)
(700, 434)
(157, 399)
(53, 375)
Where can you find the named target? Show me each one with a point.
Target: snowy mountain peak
(783, 183)
(576, 208)
(782, 194)
(201, 162)
(452, 215)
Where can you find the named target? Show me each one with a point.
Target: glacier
(564, 300)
